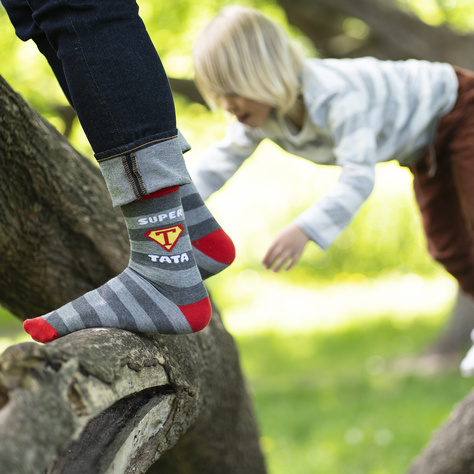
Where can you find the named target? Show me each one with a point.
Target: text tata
(169, 258)
(161, 217)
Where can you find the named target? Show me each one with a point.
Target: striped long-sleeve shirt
(359, 112)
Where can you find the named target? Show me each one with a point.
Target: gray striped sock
(160, 291)
(213, 249)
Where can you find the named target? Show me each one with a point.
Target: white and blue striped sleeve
(222, 159)
(355, 150)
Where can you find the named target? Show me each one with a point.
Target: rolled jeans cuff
(139, 172)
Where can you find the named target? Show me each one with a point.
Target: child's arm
(222, 159)
(355, 151)
(329, 216)
(346, 117)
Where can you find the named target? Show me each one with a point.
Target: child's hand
(287, 247)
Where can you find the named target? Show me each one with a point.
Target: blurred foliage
(457, 14)
(173, 31)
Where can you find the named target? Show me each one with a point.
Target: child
(353, 113)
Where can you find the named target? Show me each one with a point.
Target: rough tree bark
(59, 237)
(99, 400)
(451, 449)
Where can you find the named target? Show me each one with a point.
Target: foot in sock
(161, 290)
(213, 249)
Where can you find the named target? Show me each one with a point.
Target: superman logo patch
(167, 237)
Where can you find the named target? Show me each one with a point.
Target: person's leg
(445, 193)
(114, 75)
(446, 197)
(122, 97)
(449, 238)
(462, 157)
(213, 248)
(160, 290)
(463, 172)
(459, 148)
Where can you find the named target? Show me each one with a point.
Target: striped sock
(160, 291)
(213, 249)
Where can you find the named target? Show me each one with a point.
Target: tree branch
(60, 236)
(394, 33)
(109, 401)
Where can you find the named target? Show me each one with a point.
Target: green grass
(333, 402)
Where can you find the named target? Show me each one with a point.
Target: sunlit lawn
(329, 402)
(341, 399)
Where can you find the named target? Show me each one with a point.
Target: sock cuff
(160, 192)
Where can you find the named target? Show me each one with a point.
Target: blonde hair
(242, 52)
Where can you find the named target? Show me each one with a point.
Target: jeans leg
(117, 85)
(117, 82)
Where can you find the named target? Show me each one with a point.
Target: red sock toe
(198, 314)
(218, 246)
(40, 330)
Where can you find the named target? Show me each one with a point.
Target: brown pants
(445, 192)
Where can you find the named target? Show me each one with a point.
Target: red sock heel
(218, 246)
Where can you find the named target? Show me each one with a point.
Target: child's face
(247, 111)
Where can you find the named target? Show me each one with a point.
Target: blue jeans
(109, 70)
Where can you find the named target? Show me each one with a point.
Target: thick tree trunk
(59, 235)
(99, 400)
(451, 450)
